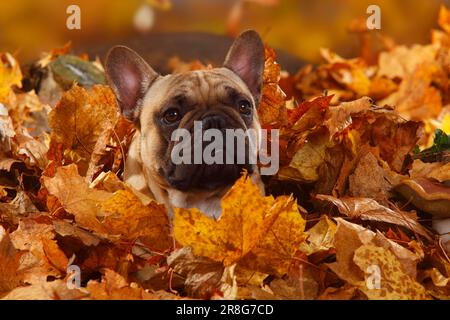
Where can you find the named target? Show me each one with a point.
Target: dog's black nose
(215, 121)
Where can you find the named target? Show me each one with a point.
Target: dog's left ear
(246, 59)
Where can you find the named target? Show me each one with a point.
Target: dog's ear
(129, 76)
(246, 59)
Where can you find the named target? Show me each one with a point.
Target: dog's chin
(205, 177)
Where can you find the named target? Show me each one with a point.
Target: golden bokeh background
(300, 27)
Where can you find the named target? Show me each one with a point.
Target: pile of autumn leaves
(63, 204)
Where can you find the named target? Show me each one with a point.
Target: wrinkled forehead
(200, 87)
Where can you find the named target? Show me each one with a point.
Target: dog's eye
(245, 107)
(172, 115)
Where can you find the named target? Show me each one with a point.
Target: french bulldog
(219, 98)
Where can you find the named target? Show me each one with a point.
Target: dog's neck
(147, 180)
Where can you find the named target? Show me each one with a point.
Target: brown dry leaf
(43, 257)
(10, 276)
(310, 114)
(403, 61)
(369, 179)
(395, 139)
(79, 123)
(305, 164)
(66, 229)
(439, 280)
(30, 150)
(435, 170)
(416, 99)
(369, 209)
(10, 75)
(349, 237)
(289, 288)
(346, 292)
(352, 74)
(114, 287)
(54, 290)
(7, 133)
(20, 207)
(118, 215)
(77, 198)
(271, 109)
(246, 218)
(320, 236)
(395, 284)
(381, 87)
(338, 118)
(203, 277)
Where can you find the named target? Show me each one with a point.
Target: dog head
(220, 98)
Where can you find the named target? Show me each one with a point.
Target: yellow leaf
(10, 75)
(276, 251)
(125, 215)
(444, 18)
(246, 218)
(445, 125)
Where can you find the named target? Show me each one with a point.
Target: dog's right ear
(130, 77)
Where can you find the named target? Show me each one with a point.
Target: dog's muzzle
(231, 158)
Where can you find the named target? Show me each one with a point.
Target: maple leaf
(79, 122)
(247, 218)
(115, 215)
(277, 251)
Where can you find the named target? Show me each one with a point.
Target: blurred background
(299, 27)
